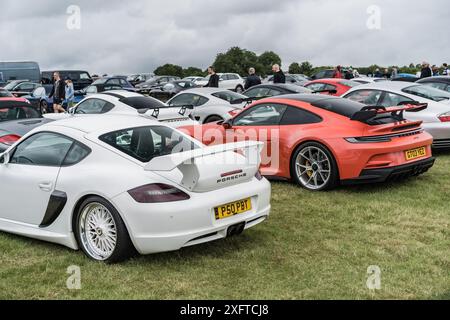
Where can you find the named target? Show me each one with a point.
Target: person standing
(386, 74)
(213, 81)
(70, 93)
(435, 70)
(252, 79)
(445, 71)
(58, 93)
(278, 75)
(426, 70)
(378, 73)
(394, 73)
(337, 72)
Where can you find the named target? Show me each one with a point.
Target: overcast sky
(139, 35)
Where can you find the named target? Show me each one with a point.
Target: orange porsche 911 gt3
(321, 141)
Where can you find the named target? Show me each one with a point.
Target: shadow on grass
(221, 248)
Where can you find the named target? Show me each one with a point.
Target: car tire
(214, 118)
(110, 241)
(239, 89)
(43, 107)
(314, 168)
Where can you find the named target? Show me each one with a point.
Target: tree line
(239, 60)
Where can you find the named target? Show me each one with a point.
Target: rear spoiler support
(369, 112)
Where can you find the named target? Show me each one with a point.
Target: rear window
(146, 143)
(229, 95)
(349, 83)
(143, 102)
(427, 92)
(341, 106)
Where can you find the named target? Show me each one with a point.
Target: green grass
(314, 246)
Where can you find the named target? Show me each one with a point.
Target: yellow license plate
(233, 208)
(415, 153)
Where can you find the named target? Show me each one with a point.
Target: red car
(5, 95)
(320, 141)
(333, 86)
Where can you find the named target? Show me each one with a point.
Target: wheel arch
(323, 143)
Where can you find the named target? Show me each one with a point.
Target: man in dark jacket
(426, 70)
(252, 79)
(58, 93)
(278, 75)
(213, 78)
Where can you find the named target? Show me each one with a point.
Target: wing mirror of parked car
(4, 158)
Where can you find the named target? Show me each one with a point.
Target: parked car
(292, 79)
(172, 88)
(436, 117)
(193, 79)
(21, 88)
(39, 99)
(332, 86)
(210, 104)
(5, 95)
(438, 82)
(229, 81)
(142, 196)
(11, 131)
(321, 141)
(155, 82)
(125, 102)
(80, 78)
(365, 80)
(107, 84)
(136, 79)
(10, 71)
(270, 90)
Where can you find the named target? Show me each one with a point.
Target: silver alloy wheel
(313, 168)
(98, 231)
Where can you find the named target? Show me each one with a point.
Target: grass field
(314, 246)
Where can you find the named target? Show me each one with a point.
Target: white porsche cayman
(114, 183)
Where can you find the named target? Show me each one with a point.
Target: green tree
(306, 68)
(193, 71)
(267, 60)
(169, 70)
(236, 60)
(294, 68)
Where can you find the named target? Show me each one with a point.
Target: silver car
(210, 104)
(436, 117)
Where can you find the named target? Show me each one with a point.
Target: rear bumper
(392, 173)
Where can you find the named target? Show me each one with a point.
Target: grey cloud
(124, 37)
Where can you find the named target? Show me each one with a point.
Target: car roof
(445, 79)
(103, 123)
(204, 90)
(118, 94)
(331, 80)
(385, 85)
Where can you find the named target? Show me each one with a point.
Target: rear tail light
(258, 175)
(157, 192)
(445, 117)
(9, 139)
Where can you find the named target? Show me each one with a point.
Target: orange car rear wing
(370, 112)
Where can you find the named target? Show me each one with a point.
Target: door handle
(46, 186)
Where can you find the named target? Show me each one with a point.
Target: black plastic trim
(56, 204)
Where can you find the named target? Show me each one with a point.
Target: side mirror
(4, 158)
(227, 124)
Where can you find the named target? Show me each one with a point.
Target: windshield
(349, 83)
(427, 92)
(11, 85)
(229, 95)
(100, 81)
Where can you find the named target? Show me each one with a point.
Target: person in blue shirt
(70, 93)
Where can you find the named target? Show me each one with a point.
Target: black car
(21, 88)
(80, 78)
(438, 82)
(293, 79)
(136, 79)
(270, 90)
(107, 84)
